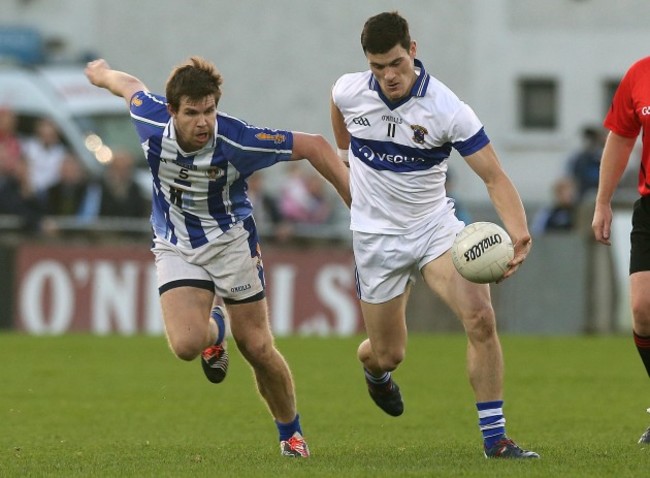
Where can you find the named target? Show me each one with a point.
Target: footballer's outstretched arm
(120, 83)
(324, 159)
(506, 201)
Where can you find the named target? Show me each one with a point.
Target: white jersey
(399, 150)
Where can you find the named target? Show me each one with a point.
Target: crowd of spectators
(42, 180)
(302, 207)
(576, 187)
(16, 193)
(43, 184)
(578, 183)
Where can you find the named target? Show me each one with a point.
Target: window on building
(538, 107)
(609, 88)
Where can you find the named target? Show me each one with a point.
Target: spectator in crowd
(10, 147)
(67, 197)
(16, 195)
(560, 215)
(120, 193)
(268, 217)
(44, 153)
(304, 198)
(584, 165)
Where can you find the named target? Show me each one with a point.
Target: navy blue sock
(286, 430)
(218, 318)
(491, 421)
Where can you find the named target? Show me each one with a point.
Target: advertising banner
(113, 290)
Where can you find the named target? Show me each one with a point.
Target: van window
(115, 130)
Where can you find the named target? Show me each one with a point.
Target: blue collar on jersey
(419, 87)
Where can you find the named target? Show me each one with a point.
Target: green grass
(82, 406)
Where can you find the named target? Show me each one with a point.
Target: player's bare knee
(255, 351)
(184, 349)
(641, 315)
(390, 360)
(480, 324)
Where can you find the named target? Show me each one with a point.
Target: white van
(92, 122)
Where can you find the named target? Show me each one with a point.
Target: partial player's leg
(385, 325)
(472, 305)
(187, 298)
(384, 350)
(236, 268)
(384, 272)
(186, 312)
(251, 331)
(191, 330)
(215, 358)
(639, 287)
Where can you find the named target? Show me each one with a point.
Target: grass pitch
(81, 406)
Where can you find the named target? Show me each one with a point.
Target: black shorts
(640, 236)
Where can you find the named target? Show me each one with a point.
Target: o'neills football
(481, 252)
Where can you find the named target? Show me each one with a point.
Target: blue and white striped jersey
(398, 151)
(200, 195)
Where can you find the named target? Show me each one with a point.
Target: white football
(481, 252)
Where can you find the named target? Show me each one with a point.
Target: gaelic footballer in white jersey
(399, 150)
(200, 195)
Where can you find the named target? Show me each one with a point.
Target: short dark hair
(196, 79)
(383, 32)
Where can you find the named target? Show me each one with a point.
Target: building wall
(280, 58)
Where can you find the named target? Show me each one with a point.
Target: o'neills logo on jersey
(370, 155)
(419, 132)
(277, 138)
(391, 119)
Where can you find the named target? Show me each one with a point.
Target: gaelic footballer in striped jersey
(205, 242)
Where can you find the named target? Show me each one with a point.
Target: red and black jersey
(630, 113)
